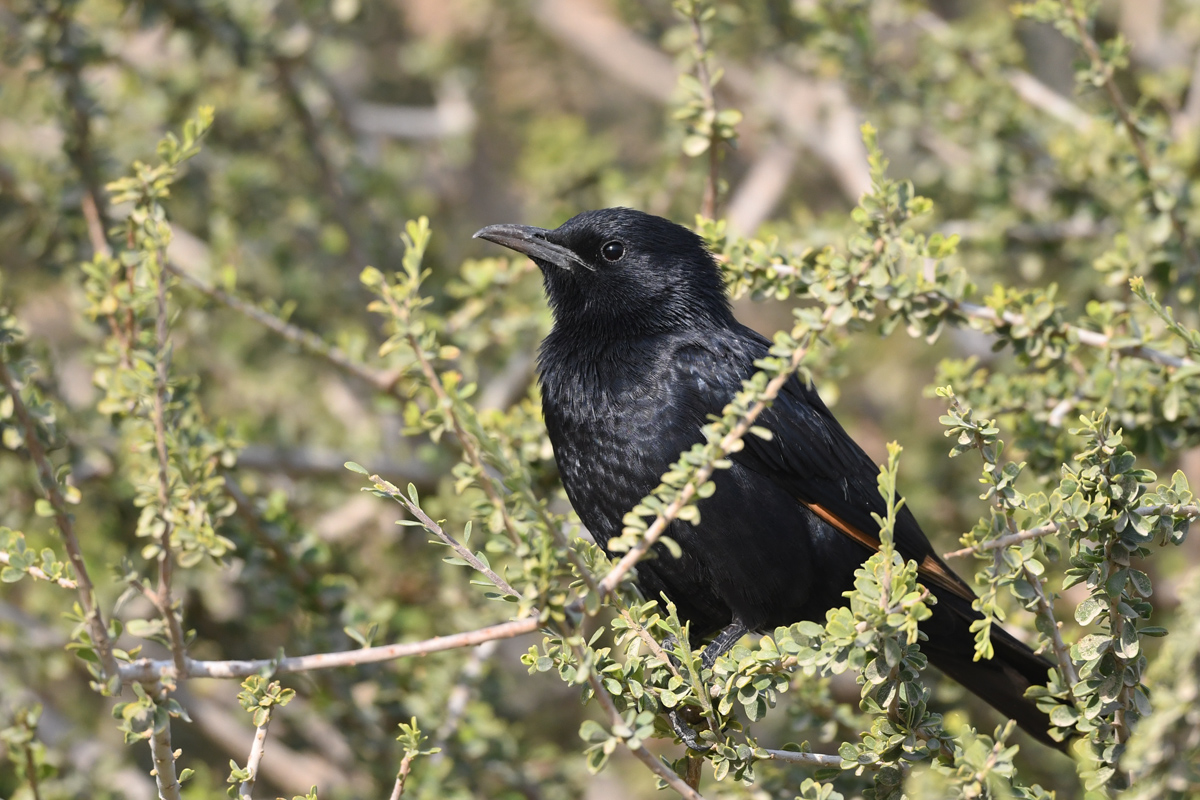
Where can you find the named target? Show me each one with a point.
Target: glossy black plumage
(643, 348)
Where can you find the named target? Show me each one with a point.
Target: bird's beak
(531, 242)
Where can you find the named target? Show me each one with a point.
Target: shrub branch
(66, 526)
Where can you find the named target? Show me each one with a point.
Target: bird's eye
(612, 251)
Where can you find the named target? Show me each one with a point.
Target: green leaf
(695, 145)
(1089, 610)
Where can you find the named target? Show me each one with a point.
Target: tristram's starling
(644, 347)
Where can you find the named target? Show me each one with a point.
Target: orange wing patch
(930, 567)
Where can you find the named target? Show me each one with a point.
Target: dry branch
(257, 748)
(164, 763)
(147, 670)
(804, 759)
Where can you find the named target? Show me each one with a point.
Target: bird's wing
(812, 457)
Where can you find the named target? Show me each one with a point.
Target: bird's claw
(689, 736)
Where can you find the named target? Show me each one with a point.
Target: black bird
(645, 346)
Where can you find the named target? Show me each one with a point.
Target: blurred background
(337, 121)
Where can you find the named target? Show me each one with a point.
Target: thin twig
(67, 57)
(1053, 527)
(640, 752)
(1125, 114)
(602, 695)
(146, 670)
(31, 772)
(95, 223)
(164, 763)
(66, 526)
(458, 547)
(1082, 335)
(804, 759)
(384, 381)
(166, 561)
(257, 748)
(708, 207)
(37, 572)
(651, 643)
(465, 441)
(1007, 540)
(402, 777)
(728, 443)
(1062, 653)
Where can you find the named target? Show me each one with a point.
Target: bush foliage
(238, 287)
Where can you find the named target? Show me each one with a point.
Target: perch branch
(146, 670)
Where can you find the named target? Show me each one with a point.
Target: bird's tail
(1000, 681)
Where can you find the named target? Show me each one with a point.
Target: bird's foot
(687, 734)
(722, 643)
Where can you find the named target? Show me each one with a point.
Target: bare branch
(257, 748)
(401, 777)
(651, 643)
(146, 670)
(470, 447)
(290, 770)
(95, 224)
(164, 763)
(804, 759)
(1007, 540)
(760, 191)
(1045, 99)
(66, 526)
(451, 115)
(320, 462)
(1189, 116)
(31, 772)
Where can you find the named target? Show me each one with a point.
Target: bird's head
(622, 271)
